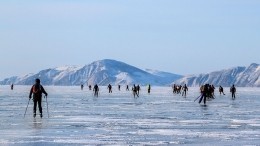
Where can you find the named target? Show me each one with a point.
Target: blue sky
(179, 36)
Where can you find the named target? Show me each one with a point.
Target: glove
(30, 97)
(46, 94)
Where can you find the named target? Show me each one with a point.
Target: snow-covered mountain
(240, 76)
(164, 75)
(100, 72)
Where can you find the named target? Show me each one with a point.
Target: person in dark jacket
(138, 88)
(184, 90)
(109, 88)
(37, 90)
(204, 93)
(233, 91)
(81, 86)
(119, 87)
(134, 89)
(96, 89)
(149, 88)
(221, 90)
(12, 86)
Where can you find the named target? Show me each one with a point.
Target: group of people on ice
(179, 89)
(207, 92)
(95, 89)
(135, 89)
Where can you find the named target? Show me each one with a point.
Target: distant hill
(101, 72)
(240, 76)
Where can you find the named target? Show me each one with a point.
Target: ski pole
(26, 108)
(47, 106)
(197, 98)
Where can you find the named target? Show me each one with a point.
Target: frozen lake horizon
(159, 118)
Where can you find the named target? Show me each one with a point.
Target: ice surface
(161, 118)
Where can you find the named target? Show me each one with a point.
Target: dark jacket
(37, 90)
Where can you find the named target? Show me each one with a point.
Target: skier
(109, 88)
(138, 88)
(204, 90)
(184, 90)
(178, 89)
(89, 87)
(12, 87)
(233, 91)
(119, 87)
(81, 86)
(149, 89)
(127, 88)
(134, 89)
(212, 90)
(37, 90)
(96, 90)
(221, 90)
(174, 89)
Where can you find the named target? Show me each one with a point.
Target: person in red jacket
(37, 90)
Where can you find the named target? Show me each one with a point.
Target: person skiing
(127, 88)
(138, 88)
(221, 90)
(89, 87)
(119, 87)
(212, 90)
(149, 89)
(81, 86)
(184, 90)
(174, 89)
(233, 91)
(109, 88)
(12, 86)
(204, 93)
(178, 89)
(37, 90)
(96, 90)
(134, 89)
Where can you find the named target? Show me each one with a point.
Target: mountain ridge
(100, 72)
(239, 76)
(108, 71)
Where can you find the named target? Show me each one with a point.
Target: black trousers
(39, 101)
(184, 92)
(203, 97)
(233, 95)
(96, 93)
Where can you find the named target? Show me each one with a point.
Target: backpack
(36, 88)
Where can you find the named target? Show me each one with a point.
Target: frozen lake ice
(161, 118)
